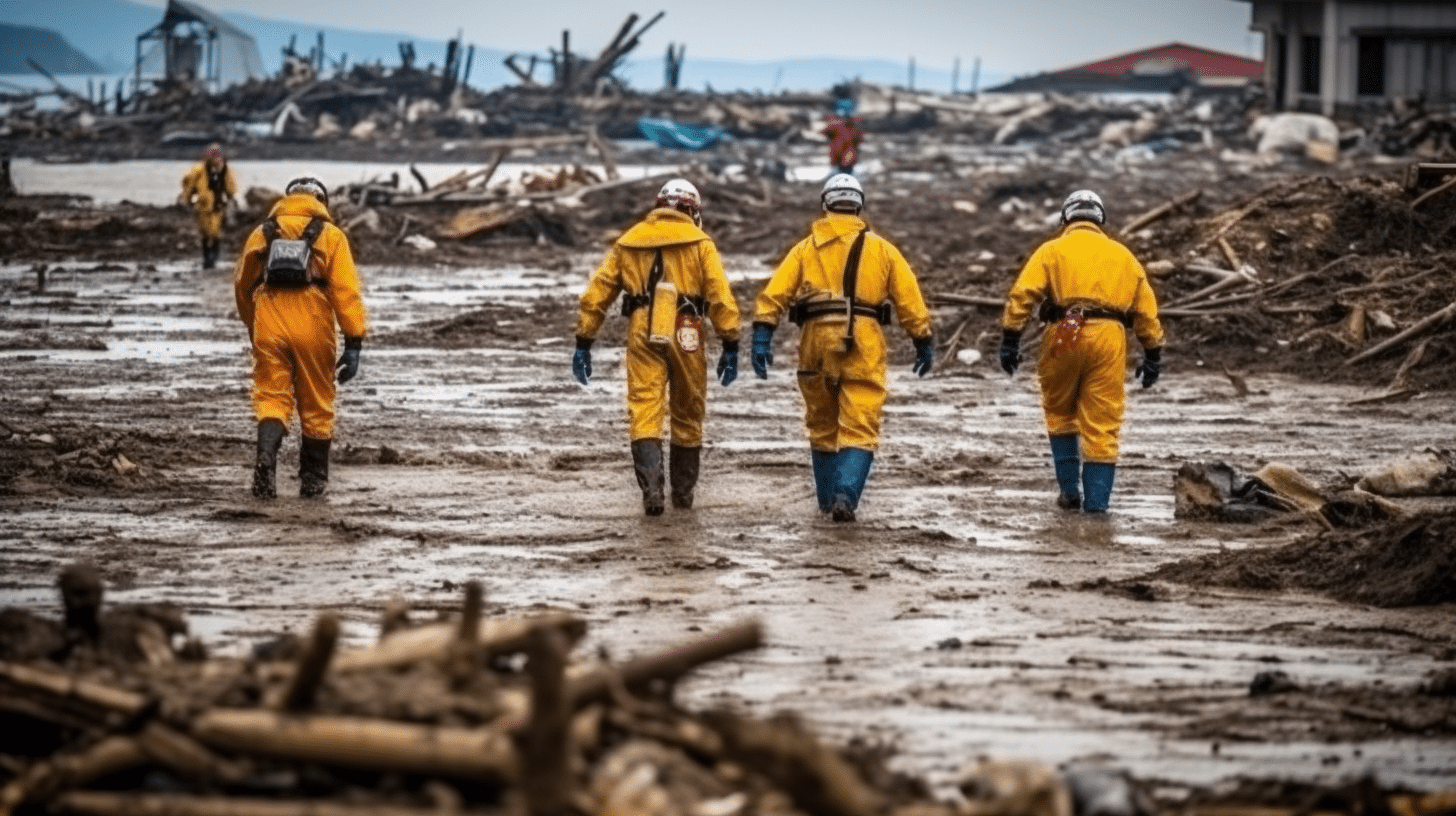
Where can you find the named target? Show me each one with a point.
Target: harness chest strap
(631, 301)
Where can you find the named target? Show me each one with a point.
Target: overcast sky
(1011, 36)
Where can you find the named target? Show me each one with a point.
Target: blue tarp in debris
(668, 133)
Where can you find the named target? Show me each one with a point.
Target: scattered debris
(1409, 561)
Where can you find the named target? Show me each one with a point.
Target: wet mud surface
(963, 616)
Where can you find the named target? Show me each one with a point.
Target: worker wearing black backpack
(296, 287)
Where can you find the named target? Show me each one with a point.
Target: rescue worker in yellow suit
(208, 188)
(296, 286)
(673, 278)
(837, 284)
(1091, 289)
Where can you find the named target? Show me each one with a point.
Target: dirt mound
(1406, 563)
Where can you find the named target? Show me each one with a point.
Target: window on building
(1370, 65)
(1309, 74)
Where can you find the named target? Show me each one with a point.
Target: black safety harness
(1052, 312)
(217, 183)
(803, 311)
(632, 301)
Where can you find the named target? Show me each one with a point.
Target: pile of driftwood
(103, 713)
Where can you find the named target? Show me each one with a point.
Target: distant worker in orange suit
(845, 132)
(208, 188)
(296, 287)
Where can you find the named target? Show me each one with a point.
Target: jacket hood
(832, 226)
(300, 204)
(662, 227)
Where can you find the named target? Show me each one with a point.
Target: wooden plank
(362, 743)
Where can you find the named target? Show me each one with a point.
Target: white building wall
(1417, 61)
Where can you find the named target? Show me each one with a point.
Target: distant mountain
(104, 29)
(108, 29)
(49, 50)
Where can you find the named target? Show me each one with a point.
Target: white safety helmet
(309, 186)
(1084, 205)
(842, 193)
(680, 194)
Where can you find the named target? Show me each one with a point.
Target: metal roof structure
(193, 43)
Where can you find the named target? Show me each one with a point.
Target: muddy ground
(963, 616)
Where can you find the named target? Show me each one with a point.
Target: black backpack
(287, 261)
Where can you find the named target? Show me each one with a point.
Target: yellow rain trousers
(199, 194)
(294, 331)
(844, 392)
(663, 381)
(1081, 371)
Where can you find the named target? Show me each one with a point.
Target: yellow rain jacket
(294, 331)
(1081, 368)
(844, 391)
(664, 380)
(197, 190)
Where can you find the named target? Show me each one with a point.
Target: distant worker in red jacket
(845, 132)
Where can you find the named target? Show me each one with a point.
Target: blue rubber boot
(1067, 459)
(1097, 478)
(851, 471)
(824, 462)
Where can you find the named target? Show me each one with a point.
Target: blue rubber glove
(728, 363)
(581, 360)
(1150, 367)
(924, 355)
(348, 365)
(762, 349)
(1010, 351)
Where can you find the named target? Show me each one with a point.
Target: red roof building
(1211, 67)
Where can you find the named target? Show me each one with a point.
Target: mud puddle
(948, 623)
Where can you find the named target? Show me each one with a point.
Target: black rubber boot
(682, 470)
(313, 467)
(209, 253)
(270, 438)
(647, 464)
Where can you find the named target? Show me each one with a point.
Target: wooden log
(68, 687)
(1421, 327)
(419, 177)
(1389, 396)
(545, 745)
(1241, 278)
(365, 744)
(1229, 254)
(1160, 211)
(819, 780)
(578, 192)
(462, 658)
(1215, 272)
(949, 349)
(1432, 193)
(312, 664)
(667, 666)
(188, 758)
(603, 60)
(45, 779)
(101, 803)
(968, 300)
(1389, 284)
(609, 162)
(521, 73)
(430, 642)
